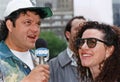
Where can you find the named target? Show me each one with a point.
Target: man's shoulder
(58, 57)
(61, 60)
(3, 49)
(3, 46)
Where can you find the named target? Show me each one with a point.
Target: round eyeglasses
(91, 42)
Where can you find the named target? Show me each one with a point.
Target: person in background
(18, 33)
(63, 67)
(98, 49)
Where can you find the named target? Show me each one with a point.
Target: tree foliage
(55, 43)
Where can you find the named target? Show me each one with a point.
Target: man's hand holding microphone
(41, 72)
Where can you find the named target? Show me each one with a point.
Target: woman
(98, 46)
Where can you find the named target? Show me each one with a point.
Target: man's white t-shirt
(25, 57)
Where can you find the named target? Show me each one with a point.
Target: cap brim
(44, 12)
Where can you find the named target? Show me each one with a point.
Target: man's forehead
(29, 13)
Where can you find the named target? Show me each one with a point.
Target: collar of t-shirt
(25, 57)
(70, 54)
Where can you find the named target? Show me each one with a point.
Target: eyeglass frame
(78, 44)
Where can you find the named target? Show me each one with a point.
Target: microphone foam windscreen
(40, 43)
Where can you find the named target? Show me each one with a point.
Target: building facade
(62, 12)
(116, 12)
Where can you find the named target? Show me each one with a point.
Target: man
(18, 33)
(63, 67)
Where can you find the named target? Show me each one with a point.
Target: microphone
(42, 52)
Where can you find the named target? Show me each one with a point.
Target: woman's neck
(95, 71)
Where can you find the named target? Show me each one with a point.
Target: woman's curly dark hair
(110, 71)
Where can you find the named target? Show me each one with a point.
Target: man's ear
(9, 25)
(109, 51)
(67, 33)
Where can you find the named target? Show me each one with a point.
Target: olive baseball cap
(15, 5)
